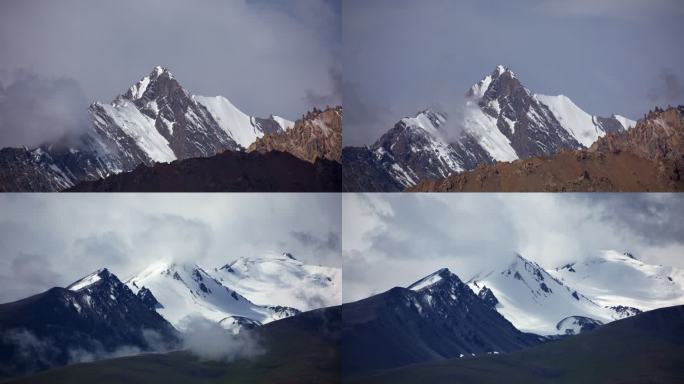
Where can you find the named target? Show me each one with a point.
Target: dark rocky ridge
(646, 348)
(226, 172)
(439, 321)
(317, 135)
(62, 326)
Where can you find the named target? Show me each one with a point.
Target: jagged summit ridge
(155, 120)
(281, 279)
(500, 121)
(441, 276)
(248, 291)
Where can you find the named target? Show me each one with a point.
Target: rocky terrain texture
(230, 171)
(318, 135)
(647, 158)
(500, 121)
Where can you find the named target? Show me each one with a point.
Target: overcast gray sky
(266, 56)
(51, 240)
(393, 240)
(608, 56)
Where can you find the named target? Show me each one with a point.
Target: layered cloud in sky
(608, 56)
(52, 240)
(394, 239)
(266, 56)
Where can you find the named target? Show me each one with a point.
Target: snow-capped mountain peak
(478, 90)
(247, 292)
(614, 279)
(281, 279)
(500, 120)
(158, 84)
(533, 300)
(501, 69)
(185, 290)
(155, 120)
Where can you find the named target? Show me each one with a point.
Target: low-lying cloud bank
(35, 110)
(210, 341)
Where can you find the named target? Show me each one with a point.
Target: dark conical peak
(160, 82)
(438, 277)
(501, 70)
(490, 86)
(158, 71)
(92, 279)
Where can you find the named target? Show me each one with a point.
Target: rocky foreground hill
(318, 135)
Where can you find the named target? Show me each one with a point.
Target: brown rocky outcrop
(317, 135)
(649, 157)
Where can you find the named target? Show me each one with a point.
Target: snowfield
(549, 302)
(246, 292)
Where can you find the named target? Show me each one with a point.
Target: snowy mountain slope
(185, 291)
(195, 126)
(136, 126)
(416, 148)
(283, 280)
(585, 128)
(533, 300)
(239, 126)
(618, 279)
(155, 121)
(500, 121)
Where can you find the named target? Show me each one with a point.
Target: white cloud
(52, 240)
(264, 55)
(471, 232)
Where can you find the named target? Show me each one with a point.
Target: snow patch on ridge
(428, 280)
(140, 128)
(614, 278)
(233, 121)
(626, 123)
(285, 124)
(483, 128)
(86, 281)
(572, 118)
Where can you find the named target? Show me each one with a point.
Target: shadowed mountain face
(436, 318)
(646, 348)
(227, 172)
(299, 349)
(649, 157)
(500, 121)
(94, 318)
